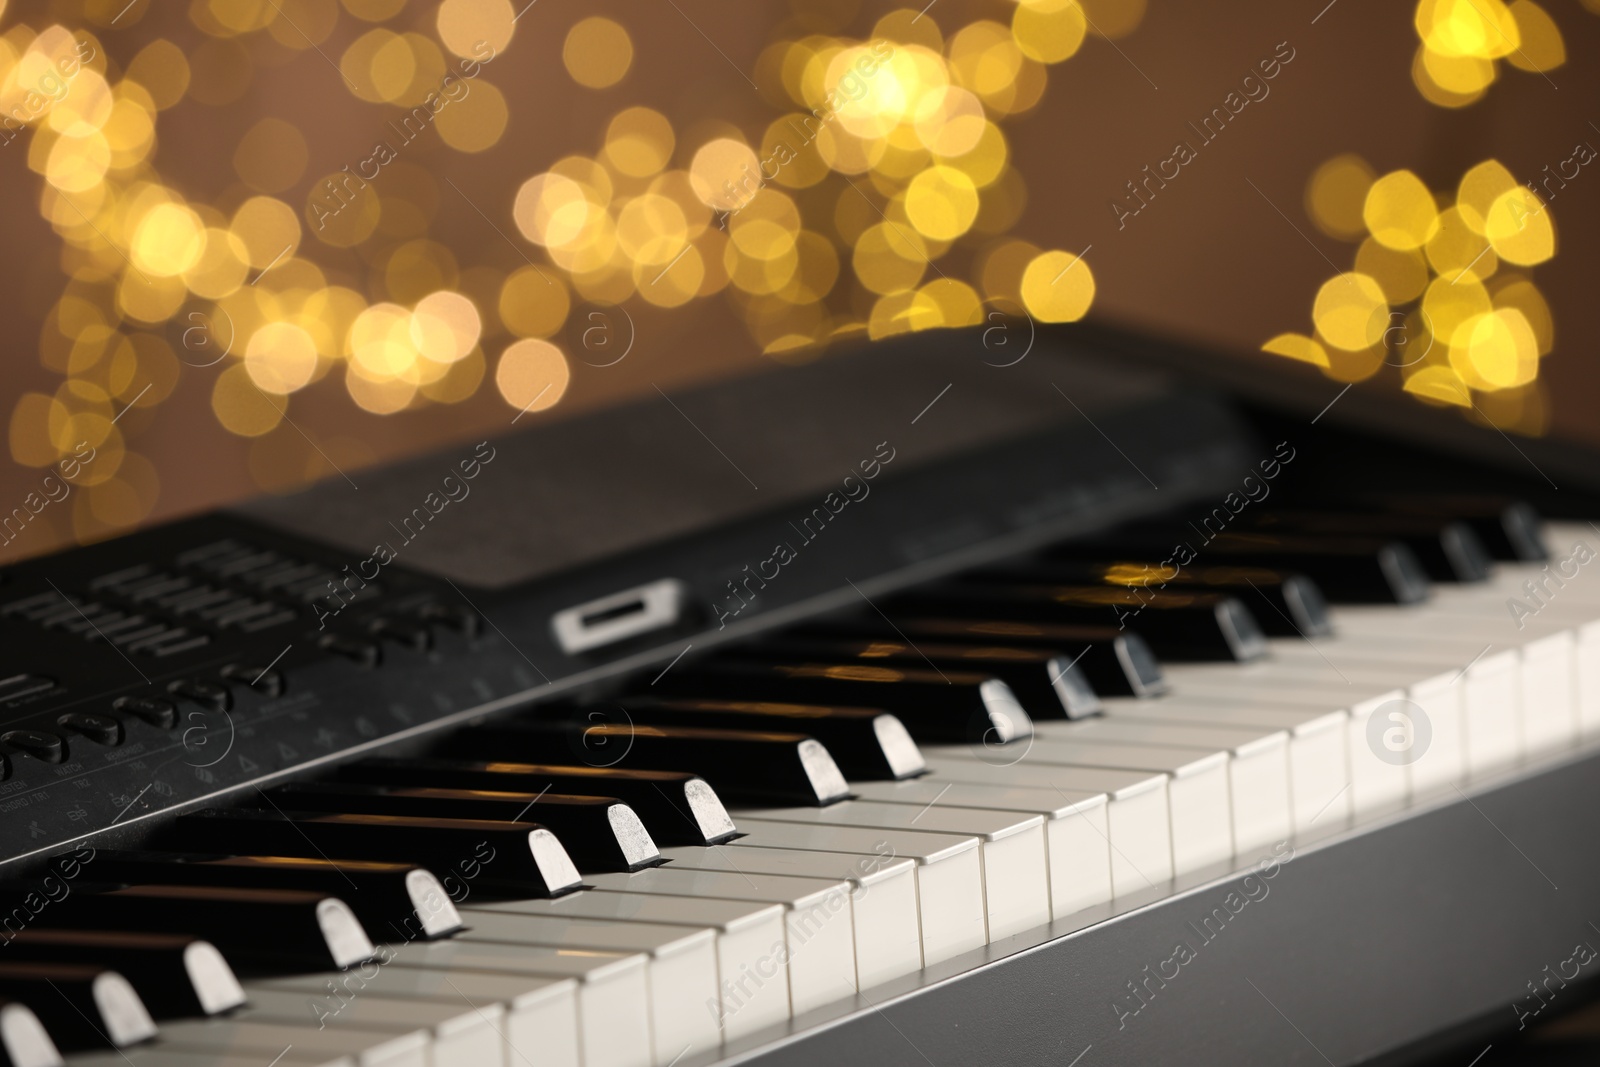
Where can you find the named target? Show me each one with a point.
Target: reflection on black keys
(1449, 551)
(24, 1041)
(1116, 662)
(1349, 570)
(866, 743)
(759, 767)
(82, 1007)
(1049, 685)
(1284, 603)
(175, 974)
(271, 927)
(601, 834)
(935, 705)
(385, 896)
(677, 808)
(1179, 626)
(523, 856)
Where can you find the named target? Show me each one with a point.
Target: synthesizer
(900, 708)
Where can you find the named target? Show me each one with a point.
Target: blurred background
(255, 243)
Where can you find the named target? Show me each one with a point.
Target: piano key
(950, 901)
(1048, 684)
(1013, 850)
(1138, 809)
(677, 808)
(613, 995)
(280, 927)
(1199, 809)
(1319, 765)
(1116, 662)
(817, 922)
(383, 895)
(935, 705)
(759, 766)
(1348, 570)
(525, 856)
(1077, 844)
(163, 1056)
(24, 1041)
(599, 833)
(864, 742)
(1284, 604)
(1258, 768)
(752, 957)
(682, 975)
(242, 1041)
(1178, 626)
(460, 1033)
(175, 975)
(539, 1024)
(81, 1006)
(883, 897)
(1449, 551)
(1508, 528)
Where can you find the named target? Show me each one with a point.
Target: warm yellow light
(1399, 210)
(597, 53)
(1058, 287)
(532, 375)
(168, 240)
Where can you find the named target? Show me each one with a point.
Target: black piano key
(936, 706)
(1510, 529)
(266, 927)
(1178, 626)
(81, 1007)
(677, 808)
(1116, 662)
(1349, 570)
(1049, 684)
(1449, 551)
(601, 834)
(24, 1042)
(519, 856)
(759, 767)
(866, 743)
(174, 974)
(385, 896)
(1284, 604)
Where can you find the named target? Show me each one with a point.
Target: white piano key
(460, 1033)
(1319, 763)
(817, 921)
(614, 1008)
(1077, 840)
(264, 1040)
(162, 1056)
(1011, 846)
(1199, 810)
(1258, 767)
(949, 874)
(1138, 817)
(540, 1023)
(883, 897)
(682, 973)
(753, 977)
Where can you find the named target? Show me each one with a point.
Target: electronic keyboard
(899, 708)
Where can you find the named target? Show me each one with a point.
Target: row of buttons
(216, 696)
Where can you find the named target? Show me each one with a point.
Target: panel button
(365, 653)
(209, 695)
(102, 729)
(52, 748)
(153, 710)
(417, 638)
(262, 679)
(463, 620)
(22, 685)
